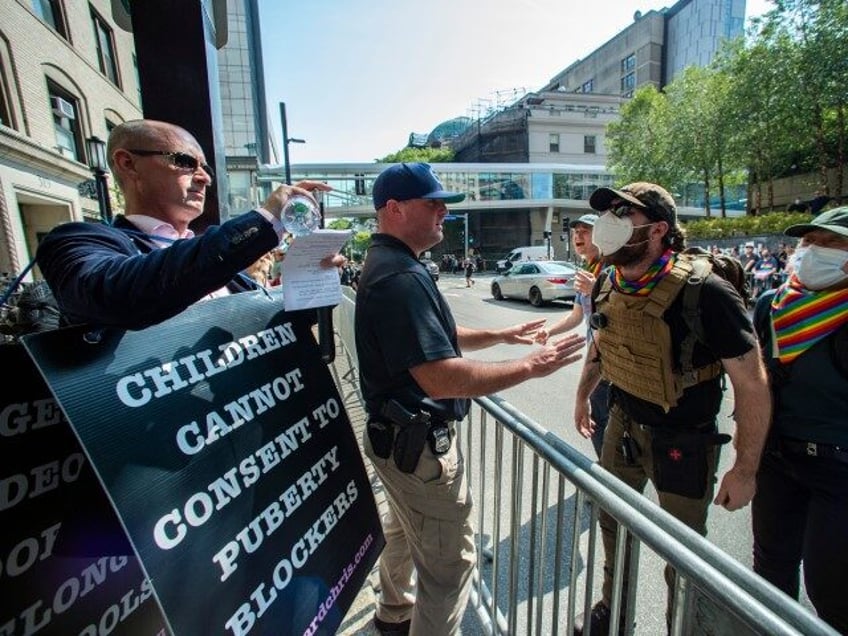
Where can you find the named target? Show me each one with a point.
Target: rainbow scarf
(802, 317)
(643, 286)
(593, 267)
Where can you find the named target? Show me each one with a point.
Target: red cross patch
(675, 454)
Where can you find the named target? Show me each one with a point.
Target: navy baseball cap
(405, 181)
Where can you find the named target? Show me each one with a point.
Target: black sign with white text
(230, 460)
(66, 566)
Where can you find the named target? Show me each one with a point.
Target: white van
(526, 253)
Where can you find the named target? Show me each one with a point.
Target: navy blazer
(105, 276)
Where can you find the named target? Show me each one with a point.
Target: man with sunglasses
(662, 421)
(149, 266)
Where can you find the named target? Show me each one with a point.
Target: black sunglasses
(180, 160)
(622, 209)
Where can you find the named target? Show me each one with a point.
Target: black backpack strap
(701, 268)
(602, 287)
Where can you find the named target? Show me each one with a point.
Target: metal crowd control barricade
(540, 562)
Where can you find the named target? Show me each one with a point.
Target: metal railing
(537, 502)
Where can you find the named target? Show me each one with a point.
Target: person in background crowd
(581, 309)
(416, 384)
(260, 270)
(279, 255)
(469, 271)
(800, 511)
(346, 275)
(149, 266)
(765, 272)
(662, 425)
(749, 257)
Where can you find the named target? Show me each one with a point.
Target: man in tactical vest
(800, 511)
(662, 418)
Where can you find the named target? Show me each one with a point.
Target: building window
(51, 12)
(588, 87)
(137, 80)
(65, 110)
(628, 82)
(589, 144)
(553, 142)
(105, 48)
(6, 112)
(628, 64)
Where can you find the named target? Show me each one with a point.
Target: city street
(549, 401)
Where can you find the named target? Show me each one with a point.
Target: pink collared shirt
(154, 228)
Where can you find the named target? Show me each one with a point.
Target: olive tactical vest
(635, 342)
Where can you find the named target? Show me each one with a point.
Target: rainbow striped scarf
(643, 286)
(593, 267)
(802, 317)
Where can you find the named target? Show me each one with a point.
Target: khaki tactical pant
(428, 538)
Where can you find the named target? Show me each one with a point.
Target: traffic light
(546, 234)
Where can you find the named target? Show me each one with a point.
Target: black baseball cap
(655, 200)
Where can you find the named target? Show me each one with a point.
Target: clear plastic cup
(301, 215)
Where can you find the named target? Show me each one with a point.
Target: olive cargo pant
(692, 512)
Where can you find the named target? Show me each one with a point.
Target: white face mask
(821, 267)
(611, 232)
(795, 259)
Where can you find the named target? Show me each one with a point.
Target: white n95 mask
(612, 232)
(821, 267)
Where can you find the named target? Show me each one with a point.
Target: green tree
(640, 148)
(355, 248)
(702, 130)
(427, 155)
(820, 29)
(758, 91)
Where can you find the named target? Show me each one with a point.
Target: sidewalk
(359, 618)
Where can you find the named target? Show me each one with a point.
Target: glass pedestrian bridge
(489, 187)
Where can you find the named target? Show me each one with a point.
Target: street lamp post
(99, 166)
(286, 141)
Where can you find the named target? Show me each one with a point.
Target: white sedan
(536, 281)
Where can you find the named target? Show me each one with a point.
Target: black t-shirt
(401, 321)
(728, 333)
(811, 392)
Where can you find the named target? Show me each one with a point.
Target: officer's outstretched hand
(556, 355)
(583, 421)
(522, 334)
(541, 336)
(737, 489)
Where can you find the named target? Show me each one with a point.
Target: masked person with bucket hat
(416, 385)
(800, 511)
(662, 420)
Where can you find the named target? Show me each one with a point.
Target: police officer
(662, 423)
(416, 386)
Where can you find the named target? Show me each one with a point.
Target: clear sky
(358, 76)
